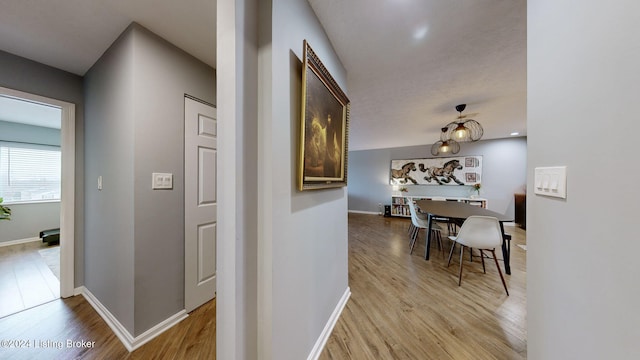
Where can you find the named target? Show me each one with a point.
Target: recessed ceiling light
(420, 32)
(515, 133)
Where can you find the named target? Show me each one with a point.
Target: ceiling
(409, 62)
(72, 34)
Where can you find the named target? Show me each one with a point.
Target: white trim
(328, 328)
(118, 329)
(509, 224)
(130, 343)
(30, 202)
(365, 212)
(18, 242)
(67, 207)
(161, 327)
(229, 340)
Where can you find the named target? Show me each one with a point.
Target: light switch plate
(551, 181)
(162, 181)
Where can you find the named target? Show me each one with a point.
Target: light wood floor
(403, 307)
(74, 319)
(25, 279)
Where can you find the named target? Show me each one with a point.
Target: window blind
(29, 172)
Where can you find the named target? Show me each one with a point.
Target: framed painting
(462, 170)
(324, 128)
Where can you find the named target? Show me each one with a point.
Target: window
(29, 172)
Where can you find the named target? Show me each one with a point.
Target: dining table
(457, 212)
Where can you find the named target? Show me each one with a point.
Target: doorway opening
(37, 179)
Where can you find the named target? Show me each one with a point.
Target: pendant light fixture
(445, 145)
(463, 129)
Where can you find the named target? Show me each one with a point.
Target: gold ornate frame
(324, 128)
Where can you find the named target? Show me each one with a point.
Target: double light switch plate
(162, 181)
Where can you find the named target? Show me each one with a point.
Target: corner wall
(135, 126)
(162, 74)
(109, 213)
(582, 251)
(504, 164)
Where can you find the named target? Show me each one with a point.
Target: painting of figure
(323, 138)
(324, 128)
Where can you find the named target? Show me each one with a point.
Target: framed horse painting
(463, 170)
(323, 142)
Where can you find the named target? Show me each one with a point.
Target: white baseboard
(328, 328)
(150, 334)
(364, 212)
(509, 224)
(20, 241)
(129, 342)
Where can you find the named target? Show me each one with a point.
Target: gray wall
(162, 75)
(109, 213)
(10, 131)
(28, 220)
(582, 272)
(29, 76)
(135, 126)
(304, 232)
(503, 174)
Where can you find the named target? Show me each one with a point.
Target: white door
(200, 206)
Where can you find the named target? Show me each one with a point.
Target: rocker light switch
(551, 181)
(162, 181)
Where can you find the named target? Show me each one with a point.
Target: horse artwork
(464, 170)
(403, 173)
(443, 174)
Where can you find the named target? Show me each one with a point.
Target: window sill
(28, 202)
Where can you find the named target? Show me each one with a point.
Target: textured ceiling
(409, 62)
(72, 34)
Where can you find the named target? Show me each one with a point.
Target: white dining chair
(482, 233)
(419, 222)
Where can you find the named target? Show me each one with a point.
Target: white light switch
(162, 181)
(551, 181)
(100, 182)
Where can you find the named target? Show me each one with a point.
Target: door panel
(206, 246)
(206, 172)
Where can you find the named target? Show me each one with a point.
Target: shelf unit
(400, 204)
